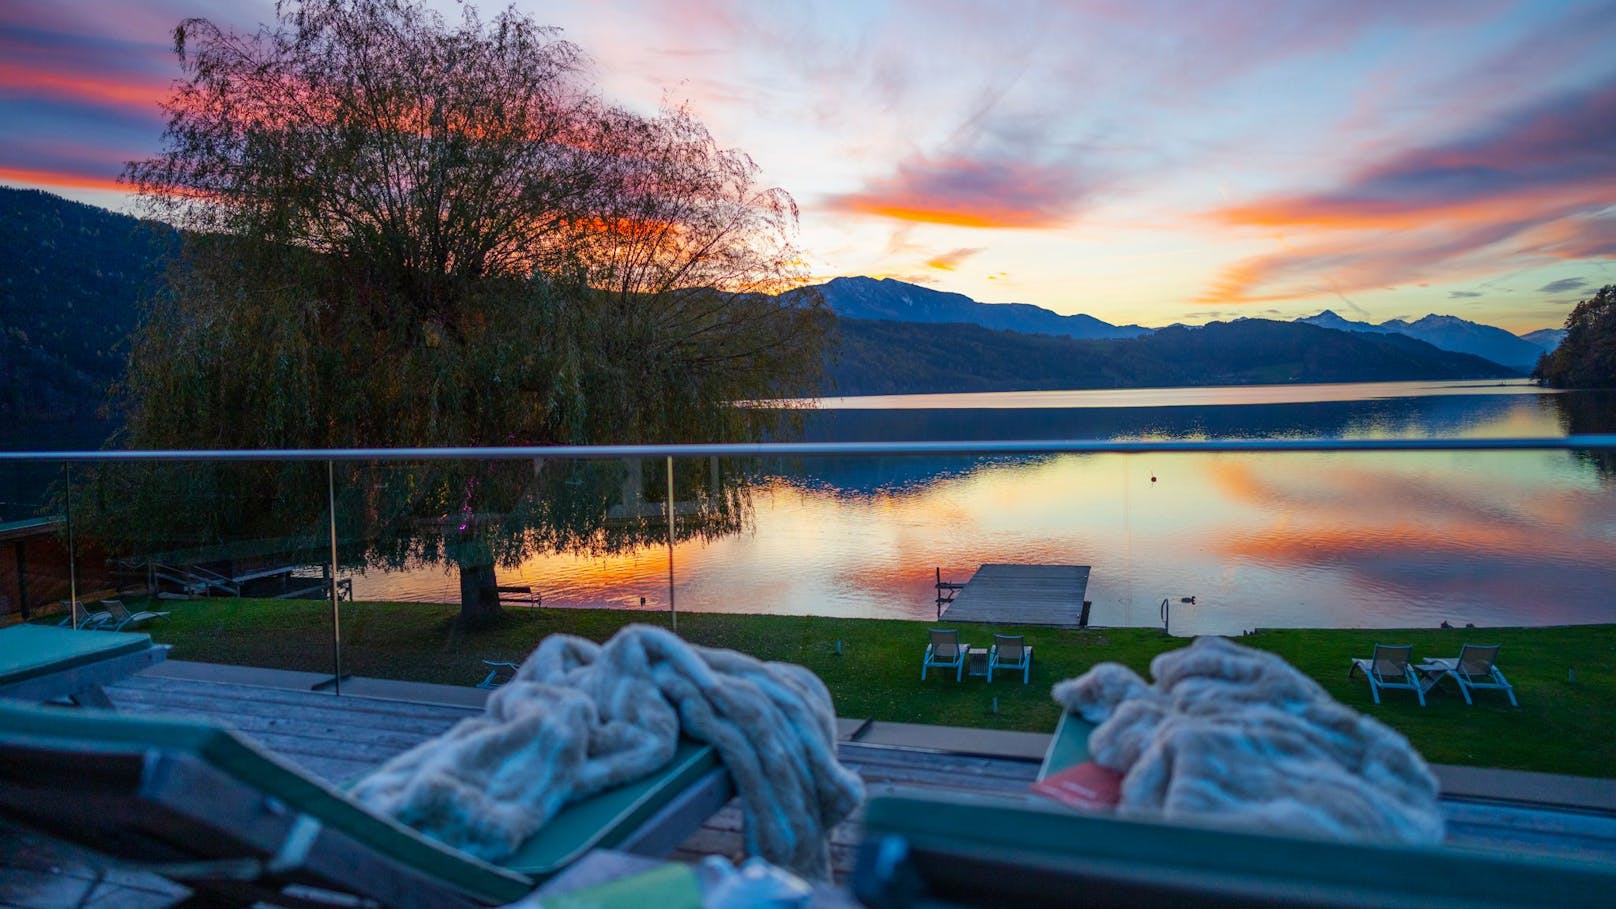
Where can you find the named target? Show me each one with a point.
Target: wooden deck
(1022, 595)
(339, 738)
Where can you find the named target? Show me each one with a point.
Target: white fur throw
(1232, 735)
(579, 718)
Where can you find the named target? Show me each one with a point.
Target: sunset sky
(1136, 160)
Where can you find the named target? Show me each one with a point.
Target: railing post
(72, 564)
(336, 616)
(673, 614)
(1167, 617)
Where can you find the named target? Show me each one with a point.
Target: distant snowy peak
(889, 300)
(1329, 319)
(1448, 333)
(1546, 338)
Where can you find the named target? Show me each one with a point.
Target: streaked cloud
(86, 85)
(967, 192)
(59, 179)
(1564, 285)
(1587, 237)
(1431, 213)
(1357, 263)
(1562, 151)
(1462, 294)
(952, 259)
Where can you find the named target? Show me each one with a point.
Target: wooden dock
(1021, 595)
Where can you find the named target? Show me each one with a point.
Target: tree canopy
(1587, 356)
(405, 232)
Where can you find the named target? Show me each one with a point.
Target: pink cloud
(134, 94)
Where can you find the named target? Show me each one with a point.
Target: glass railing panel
(35, 576)
(226, 558)
(459, 560)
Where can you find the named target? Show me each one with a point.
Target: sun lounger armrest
(181, 759)
(1068, 747)
(994, 851)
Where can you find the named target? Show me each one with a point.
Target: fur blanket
(1232, 735)
(579, 718)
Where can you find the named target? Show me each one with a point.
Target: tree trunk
(479, 597)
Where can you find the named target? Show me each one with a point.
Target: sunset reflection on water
(1376, 539)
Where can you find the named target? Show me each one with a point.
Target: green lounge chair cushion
(30, 651)
(598, 821)
(604, 820)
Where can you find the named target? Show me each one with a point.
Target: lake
(1345, 539)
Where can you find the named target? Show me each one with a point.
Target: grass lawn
(1561, 726)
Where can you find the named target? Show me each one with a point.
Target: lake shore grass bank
(1564, 677)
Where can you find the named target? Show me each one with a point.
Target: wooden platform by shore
(1021, 595)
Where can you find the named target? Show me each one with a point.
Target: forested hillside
(69, 290)
(906, 358)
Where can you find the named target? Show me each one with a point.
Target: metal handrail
(788, 449)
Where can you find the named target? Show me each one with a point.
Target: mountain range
(889, 300)
(1448, 333)
(886, 357)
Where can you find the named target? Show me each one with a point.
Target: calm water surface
(1374, 539)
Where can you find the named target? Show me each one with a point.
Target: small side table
(977, 662)
(1430, 673)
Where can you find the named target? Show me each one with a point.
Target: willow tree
(403, 232)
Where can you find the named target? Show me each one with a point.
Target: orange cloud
(965, 192)
(60, 178)
(923, 214)
(952, 259)
(1447, 251)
